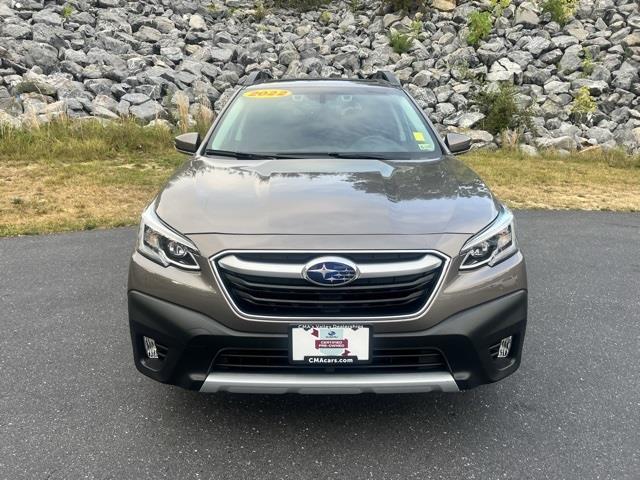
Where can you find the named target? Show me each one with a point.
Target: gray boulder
(596, 87)
(563, 143)
(105, 102)
(148, 34)
(7, 120)
(537, 45)
(148, 111)
(556, 87)
(504, 70)
(223, 55)
(16, 30)
(491, 51)
(422, 78)
(625, 76)
(564, 41)
(163, 24)
(526, 14)
(468, 120)
(529, 150)
(40, 55)
(600, 135)
(136, 98)
(48, 17)
(571, 61)
(196, 22)
(110, 3)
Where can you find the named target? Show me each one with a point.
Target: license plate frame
(323, 350)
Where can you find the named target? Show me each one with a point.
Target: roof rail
(258, 76)
(385, 76)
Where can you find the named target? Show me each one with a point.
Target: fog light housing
(150, 347)
(505, 347)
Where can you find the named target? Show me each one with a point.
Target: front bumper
(192, 340)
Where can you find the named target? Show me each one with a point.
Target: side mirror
(457, 143)
(187, 142)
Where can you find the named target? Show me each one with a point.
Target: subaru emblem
(330, 271)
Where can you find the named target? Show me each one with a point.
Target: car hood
(326, 196)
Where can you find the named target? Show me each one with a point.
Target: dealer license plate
(330, 346)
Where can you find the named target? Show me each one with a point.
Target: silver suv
(322, 238)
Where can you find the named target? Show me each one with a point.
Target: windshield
(322, 120)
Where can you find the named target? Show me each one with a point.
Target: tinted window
(321, 119)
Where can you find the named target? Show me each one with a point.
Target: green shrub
(400, 42)
(260, 11)
(480, 24)
(501, 109)
(416, 27)
(355, 5)
(561, 10)
(587, 63)
(325, 18)
(583, 104)
(67, 11)
(460, 70)
(499, 6)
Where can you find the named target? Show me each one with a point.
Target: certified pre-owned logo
(330, 271)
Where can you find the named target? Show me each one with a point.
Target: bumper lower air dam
(329, 383)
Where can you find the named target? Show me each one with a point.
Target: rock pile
(112, 58)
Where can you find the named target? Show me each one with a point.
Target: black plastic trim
(193, 339)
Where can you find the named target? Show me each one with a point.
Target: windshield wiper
(358, 156)
(244, 155)
(263, 156)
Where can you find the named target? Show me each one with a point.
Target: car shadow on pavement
(337, 415)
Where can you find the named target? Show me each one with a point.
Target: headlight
(492, 245)
(163, 245)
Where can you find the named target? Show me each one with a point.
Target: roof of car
(321, 82)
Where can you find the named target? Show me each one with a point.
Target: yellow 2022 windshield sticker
(267, 93)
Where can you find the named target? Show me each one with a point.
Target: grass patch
(80, 175)
(84, 175)
(82, 141)
(582, 181)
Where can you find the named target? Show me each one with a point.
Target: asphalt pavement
(73, 406)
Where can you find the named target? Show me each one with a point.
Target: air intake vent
(383, 360)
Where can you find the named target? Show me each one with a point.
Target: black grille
(493, 351)
(291, 297)
(162, 351)
(277, 360)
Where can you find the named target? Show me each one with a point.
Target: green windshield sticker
(426, 146)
